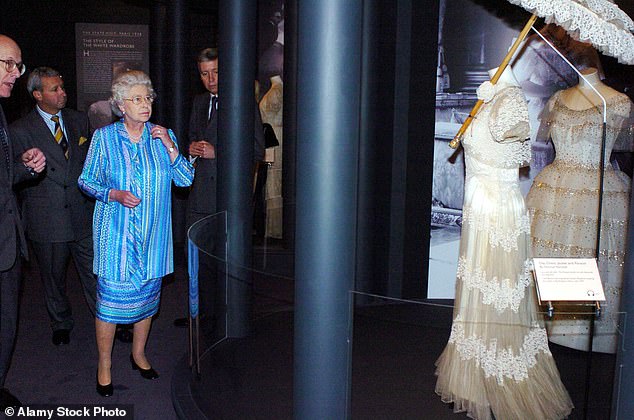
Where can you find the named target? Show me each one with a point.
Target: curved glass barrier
(207, 269)
(394, 345)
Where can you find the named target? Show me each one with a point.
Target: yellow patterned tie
(59, 135)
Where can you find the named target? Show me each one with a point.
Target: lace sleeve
(509, 117)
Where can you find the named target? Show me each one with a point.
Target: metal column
(328, 110)
(236, 61)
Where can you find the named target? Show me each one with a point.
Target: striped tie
(60, 138)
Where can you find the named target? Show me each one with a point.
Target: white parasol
(598, 22)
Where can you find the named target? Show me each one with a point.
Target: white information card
(575, 279)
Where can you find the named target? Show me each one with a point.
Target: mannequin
(496, 363)
(583, 96)
(542, 72)
(564, 200)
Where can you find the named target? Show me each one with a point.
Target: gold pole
(456, 140)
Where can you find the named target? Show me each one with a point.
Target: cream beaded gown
(564, 201)
(271, 110)
(497, 361)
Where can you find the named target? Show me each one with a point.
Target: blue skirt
(119, 302)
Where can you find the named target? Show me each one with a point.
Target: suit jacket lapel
(6, 172)
(45, 140)
(210, 124)
(204, 111)
(72, 134)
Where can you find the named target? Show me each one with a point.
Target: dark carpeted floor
(395, 347)
(42, 373)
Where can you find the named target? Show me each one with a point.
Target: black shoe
(123, 334)
(104, 390)
(146, 373)
(181, 322)
(8, 400)
(61, 337)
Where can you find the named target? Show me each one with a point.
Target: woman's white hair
(123, 83)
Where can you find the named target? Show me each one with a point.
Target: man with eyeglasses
(12, 242)
(57, 215)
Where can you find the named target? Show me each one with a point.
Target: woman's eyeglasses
(138, 100)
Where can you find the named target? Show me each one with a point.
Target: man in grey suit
(57, 215)
(12, 242)
(203, 136)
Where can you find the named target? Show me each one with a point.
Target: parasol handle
(456, 140)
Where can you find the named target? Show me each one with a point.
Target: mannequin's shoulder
(622, 104)
(582, 97)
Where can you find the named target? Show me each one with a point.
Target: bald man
(12, 171)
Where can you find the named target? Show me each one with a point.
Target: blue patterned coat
(132, 244)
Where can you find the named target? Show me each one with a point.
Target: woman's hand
(159, 132)
(126, 198)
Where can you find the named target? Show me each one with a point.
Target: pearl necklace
(134, 138)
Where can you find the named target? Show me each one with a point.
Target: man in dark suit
(203, 135)
(12, 242)
(57, 215)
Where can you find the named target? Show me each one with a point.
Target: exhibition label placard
(103, 51)
(568, 279)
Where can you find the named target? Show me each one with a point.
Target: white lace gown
(497, 361)
(564, 201)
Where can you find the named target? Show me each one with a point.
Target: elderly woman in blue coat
(129, 170)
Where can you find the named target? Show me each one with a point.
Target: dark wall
(375, 150)
(45, 30)
(396, 151)
(420, 146)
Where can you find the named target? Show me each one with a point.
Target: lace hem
(498, 236)
(500, 363)
(502, 294)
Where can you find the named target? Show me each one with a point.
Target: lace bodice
(576, 134)
(498, 133)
